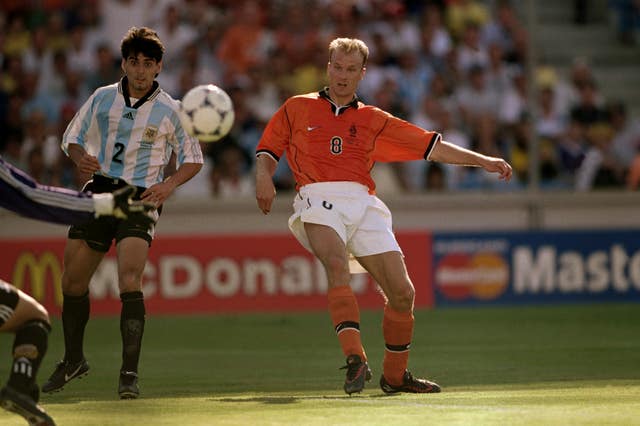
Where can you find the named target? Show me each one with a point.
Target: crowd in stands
(456, 66)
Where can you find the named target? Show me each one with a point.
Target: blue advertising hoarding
(536, 267)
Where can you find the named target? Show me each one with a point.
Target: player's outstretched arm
(447, 152)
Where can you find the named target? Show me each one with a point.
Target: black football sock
(132, 318)
(29, 347)
(75, 315)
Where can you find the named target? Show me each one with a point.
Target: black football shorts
(100, 232)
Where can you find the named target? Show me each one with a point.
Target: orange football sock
(343, 308)
(397, 329)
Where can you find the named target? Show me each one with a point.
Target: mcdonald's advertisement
(272, 272)
(536, 267)
(207, 274)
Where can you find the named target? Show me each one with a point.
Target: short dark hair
(142, 40)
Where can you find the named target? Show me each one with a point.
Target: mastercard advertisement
(272, 272)
(536, 267)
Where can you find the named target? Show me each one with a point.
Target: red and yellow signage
(482, 275)
(209, 274)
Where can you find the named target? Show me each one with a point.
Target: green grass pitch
(563, 364)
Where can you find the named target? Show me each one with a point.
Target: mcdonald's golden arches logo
(36, 268)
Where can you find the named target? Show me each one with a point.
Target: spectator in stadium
(478, 106)
(626, 138)
(572, 147)
(105, 69)
(471, 52)
(39, 136)
(508, 32)
(80, 53)
(549, 122)
(628, 20)
(143, 128)
(34, 101)
(117, 16)
(332, 140)
(17, 37)
(513, 101)
(519, 154)
(400, 34)
(414, 78)
(588, 110)
(176, 36)
(246, 42)
(436, 41)
(498, 73)
(228, 177)
(296, 34)
(20, 313)
(599, 168)
(12, 71)
(38, 57)
(460, 13)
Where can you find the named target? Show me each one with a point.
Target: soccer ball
(207, 113)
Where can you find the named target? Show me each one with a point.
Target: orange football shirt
(326, 143)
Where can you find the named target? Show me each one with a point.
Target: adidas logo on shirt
(128, 115)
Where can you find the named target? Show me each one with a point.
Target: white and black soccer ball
(206, 112)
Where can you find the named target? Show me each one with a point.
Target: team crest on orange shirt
(353, 133)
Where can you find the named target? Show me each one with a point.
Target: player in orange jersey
(332, 140)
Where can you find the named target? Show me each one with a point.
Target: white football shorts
(362, 220)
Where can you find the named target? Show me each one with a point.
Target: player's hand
(124, 207)
(158, 193)
(498, 165)
(88, 164)
(265, 193)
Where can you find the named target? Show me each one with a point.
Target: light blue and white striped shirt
(133, 143)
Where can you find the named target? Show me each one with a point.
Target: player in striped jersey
(332, 141)
(125, 133)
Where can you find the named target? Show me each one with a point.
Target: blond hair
(349, 45)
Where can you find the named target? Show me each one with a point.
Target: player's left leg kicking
(29, 321)
(389, 271)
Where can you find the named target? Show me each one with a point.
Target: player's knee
(129, 280)
(41, 314)
(402, 299)
(338, 269)
(32, 309)
(72, 286)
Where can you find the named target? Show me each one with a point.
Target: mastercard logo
(483, 276)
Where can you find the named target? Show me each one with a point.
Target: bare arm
(159, 192)
(265, 189)
(86, 163)
(447, 152)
